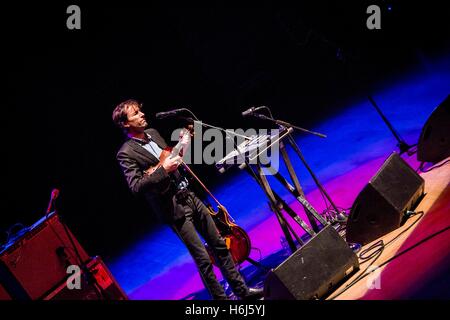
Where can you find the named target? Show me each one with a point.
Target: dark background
(305, 61)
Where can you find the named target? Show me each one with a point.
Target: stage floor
(415, 262)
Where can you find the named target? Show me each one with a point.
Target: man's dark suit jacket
(158, 187)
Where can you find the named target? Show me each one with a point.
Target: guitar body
(238, 242)
(164, 155)
(236, 239)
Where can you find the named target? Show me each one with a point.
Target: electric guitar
(171, 152)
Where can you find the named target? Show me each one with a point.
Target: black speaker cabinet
(434, 141)
(313, 270)
(381, 205)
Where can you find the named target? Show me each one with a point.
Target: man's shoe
(253, 294)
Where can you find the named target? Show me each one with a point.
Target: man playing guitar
(151, 173)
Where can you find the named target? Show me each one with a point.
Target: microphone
(251, 110)
(162, 115)
(53, 196)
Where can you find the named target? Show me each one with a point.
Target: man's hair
(119, 114)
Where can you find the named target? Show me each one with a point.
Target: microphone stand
(402, 145)
(300, 155)
(351, 79)
(196, 120)
(227, 132)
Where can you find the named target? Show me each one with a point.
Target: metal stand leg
(275, 206)
(311, 212)
(297, 191)
(319, 185)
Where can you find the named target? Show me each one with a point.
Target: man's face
(136, 119)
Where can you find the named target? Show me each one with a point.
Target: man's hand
(171, 164)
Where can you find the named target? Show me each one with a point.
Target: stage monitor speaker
(313, 270)
(38, 259)
(434, 141)
(381, 206)
(100, 285)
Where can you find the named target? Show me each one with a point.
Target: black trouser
(198, 218)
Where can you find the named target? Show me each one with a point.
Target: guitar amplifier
(37, 260)
(96, 283)
(4, 295)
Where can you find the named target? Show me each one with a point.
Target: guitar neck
(178, 147)
(176, 150)
(200, 182)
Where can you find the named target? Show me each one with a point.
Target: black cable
(270, 112)
(332, 217)
(260, 252)
(379, 247)
(377, 254)
(420, 167)
(186, 109)
(410, 214)
(416, 245)
(433, 167)
(331, 209)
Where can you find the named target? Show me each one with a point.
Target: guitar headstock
(186, 134)
(184, 139)
(188, 130)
